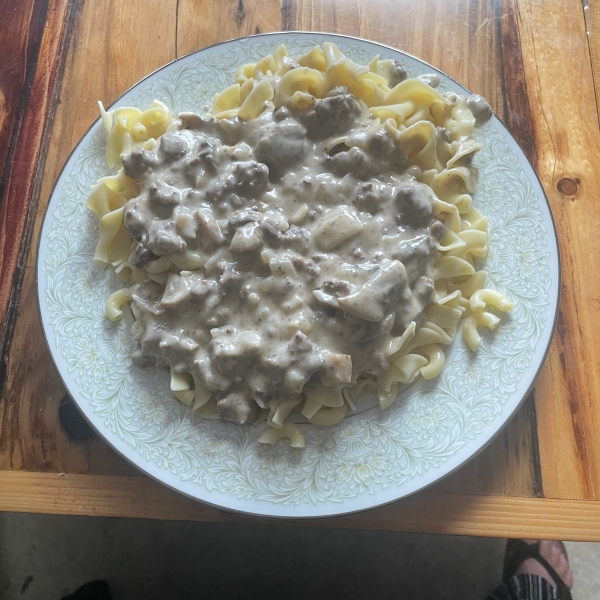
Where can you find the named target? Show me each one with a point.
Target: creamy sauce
(300, 255)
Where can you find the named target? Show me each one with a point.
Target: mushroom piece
(380, 292)
(244, 217)
(247, 238)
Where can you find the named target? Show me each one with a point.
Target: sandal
(518, 550)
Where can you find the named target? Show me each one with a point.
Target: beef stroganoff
(312, 237)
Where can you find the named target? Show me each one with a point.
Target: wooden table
(539, 65)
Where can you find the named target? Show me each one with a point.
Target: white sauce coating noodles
(314, 235)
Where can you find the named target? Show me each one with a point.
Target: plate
(370, 458)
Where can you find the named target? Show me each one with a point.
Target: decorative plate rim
(324, 509)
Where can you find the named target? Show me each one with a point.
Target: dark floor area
(45, 557)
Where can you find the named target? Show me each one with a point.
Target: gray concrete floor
(45, 557)
(585, 562)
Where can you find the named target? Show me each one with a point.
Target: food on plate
(312, 237)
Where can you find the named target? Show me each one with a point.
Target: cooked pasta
(312, 237)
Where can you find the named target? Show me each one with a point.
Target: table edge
(428, 512)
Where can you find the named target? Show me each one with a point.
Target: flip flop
(518, 550)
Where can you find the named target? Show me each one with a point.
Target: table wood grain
(538, 63)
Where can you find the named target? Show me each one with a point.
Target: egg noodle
(412, 113)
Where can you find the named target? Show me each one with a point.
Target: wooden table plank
(105, 56)
(458, 514)
(560, 87)
(14, 40)
(31, 36)
(229, 19)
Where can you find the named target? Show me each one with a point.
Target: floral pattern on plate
(368, 459)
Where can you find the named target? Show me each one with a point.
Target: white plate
(370, 458)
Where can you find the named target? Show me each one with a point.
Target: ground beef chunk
(332, 115)
(415, 201)
(414, 255)
(236, 408)
(142, 256)
(284, 145)
(163, 238)
(172, 147)
(297, 238)
(372, 153)
(134, 218)
(139, 162)
(371, 196)
(251, 177)
(161, 193)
